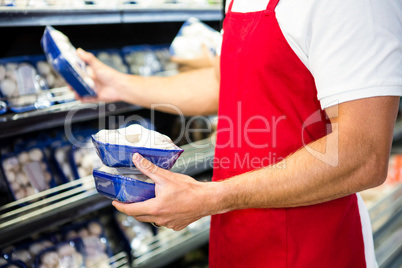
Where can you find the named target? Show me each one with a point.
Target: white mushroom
(22, 179)
(43, 68)
(8, 88)
(19, 194)
(50, 79)
(87, 161)
(103, 56)
(22, 255)
(95, 228)
(66, 250)
(82, 172)
(11, 164)
(15, 187)
(71, 234)
(43, 166)
(10, 175)
(60, 155)
(2, 261)
(116, 59)
(47, 176)
(12, 75)
(78, 259)
(11, 66)
(36, 154)
(46, 244)
(66, 169)
(36, 248)
(83, 233)
(78, 156)
(50, 259)
(29, 191)
(23, 158)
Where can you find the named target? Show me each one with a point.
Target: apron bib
(266, 96)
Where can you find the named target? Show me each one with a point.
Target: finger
(145, 219)
(90, 72)
(135, 209)
(87, 57)
(149, 169)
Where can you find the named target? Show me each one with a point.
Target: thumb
(149, 169)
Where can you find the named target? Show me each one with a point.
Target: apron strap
(230, 6)
(272, 5)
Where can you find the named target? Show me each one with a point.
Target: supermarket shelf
(398, 130)
(168, 245)
(386, 220)
(58, 115)
(385, 209)
(390, 249)
(136, 15)
(12, 16)
(61, 204)
(119, 260)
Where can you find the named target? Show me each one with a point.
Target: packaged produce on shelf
(2, 261)
(163, 54)
(84, 160)
(14, 264)
(65, 254)
(192, 36)
(117, 147)
(138, 235)
(28, 252)
(113, 59)
(101, 3)
(21, 85)
(53, 79)
(148, 60)
(94, 241)
(61, 54)
(61, 160)
(27, 172)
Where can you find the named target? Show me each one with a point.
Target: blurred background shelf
(89, 15)
(56, 115)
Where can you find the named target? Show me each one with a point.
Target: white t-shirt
(353, 48)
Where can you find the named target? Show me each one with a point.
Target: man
(308, 94)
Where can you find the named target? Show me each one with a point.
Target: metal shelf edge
(55, 116)
(11, 17)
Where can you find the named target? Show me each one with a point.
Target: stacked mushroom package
(118, 179)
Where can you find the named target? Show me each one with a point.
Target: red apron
(266, 95)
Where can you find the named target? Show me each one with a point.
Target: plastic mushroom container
(117, 147)
(61, 54)
(123, 184)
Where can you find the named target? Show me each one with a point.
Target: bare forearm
(348, 160)
(191, 93)
(301, 180)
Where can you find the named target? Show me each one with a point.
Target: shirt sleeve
(355, 49)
